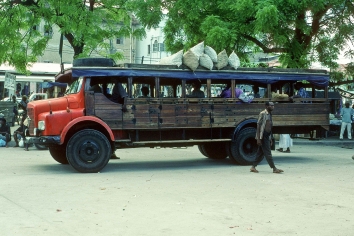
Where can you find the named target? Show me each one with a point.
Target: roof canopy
(52, 84)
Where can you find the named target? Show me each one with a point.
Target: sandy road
(178, 192)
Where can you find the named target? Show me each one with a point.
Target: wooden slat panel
(196, 113)
(299, 117)
(102, 99)
(114, 124)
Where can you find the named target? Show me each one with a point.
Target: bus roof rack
(227, 68)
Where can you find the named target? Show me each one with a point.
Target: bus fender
(85, 119)
(248, 122)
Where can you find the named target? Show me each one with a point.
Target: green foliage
(88, 28)
(301, 31)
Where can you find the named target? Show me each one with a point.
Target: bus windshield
(75, 87)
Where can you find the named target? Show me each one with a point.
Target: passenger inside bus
(256, 92)
(118, 93)
(105, 91)
(301, 91)
(145, 92)
(96, 88)
(226, 92)
(196, 93)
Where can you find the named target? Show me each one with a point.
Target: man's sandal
(277, 171)
(254, 170)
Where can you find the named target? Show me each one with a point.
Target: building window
(48, 31)
(119, 41)
(161, 47)
(155, 46)
(149, 49)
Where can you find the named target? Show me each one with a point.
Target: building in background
(151, 49)
(27, 84)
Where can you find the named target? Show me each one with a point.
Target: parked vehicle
(85, 127)
(37, 96)
(7, 99)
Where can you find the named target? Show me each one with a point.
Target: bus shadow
(293, 159)
(163, 165)
(146, 165)
(203, 163)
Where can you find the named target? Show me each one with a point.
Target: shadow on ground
(146, 165)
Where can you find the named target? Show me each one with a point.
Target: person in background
(23, 106)
(264, 138)
(5, 132)
(14, 110)
(285, 142)
(60, 94)
(19, 134)
(346, 114)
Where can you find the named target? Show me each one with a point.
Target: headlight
(41, 125)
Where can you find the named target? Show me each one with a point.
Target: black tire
(200, 147)
(244, 149)
(40, 147)
(59, 154)
(215, 150)
(88, 151)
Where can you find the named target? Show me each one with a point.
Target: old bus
(86, 126)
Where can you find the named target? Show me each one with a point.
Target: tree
(300, 31)
(87, 25)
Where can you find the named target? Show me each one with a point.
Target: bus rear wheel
(244, 149)
(200, 148)
(88, 151)
(59, 154)
(215, 150)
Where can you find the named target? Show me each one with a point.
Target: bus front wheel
(88, 151)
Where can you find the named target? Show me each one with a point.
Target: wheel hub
(89, 152)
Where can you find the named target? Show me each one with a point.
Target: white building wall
(154, 55)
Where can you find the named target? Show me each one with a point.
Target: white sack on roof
(223, 60)
(198, 49)
(211, 53)
(191, 60)
(206, 61)
(174, 59)
(234, 61)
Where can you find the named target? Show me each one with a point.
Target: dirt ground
(178, 192)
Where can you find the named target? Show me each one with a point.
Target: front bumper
(45, 140)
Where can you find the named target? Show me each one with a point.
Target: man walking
(263, 137)
(346, 114)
